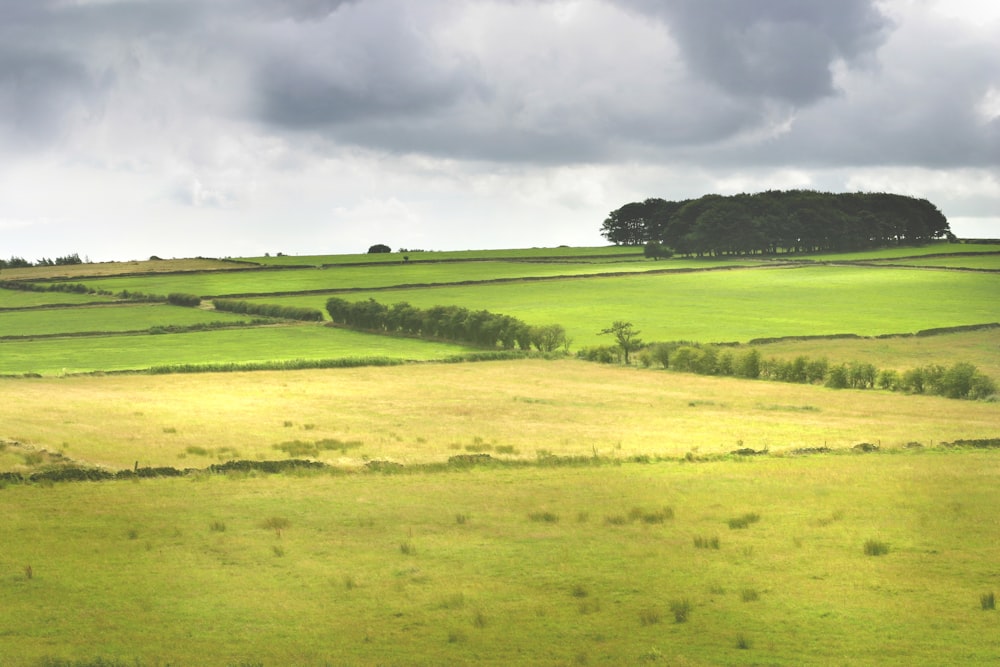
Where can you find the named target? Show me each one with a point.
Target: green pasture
(10, 298)
(562, 252)
(107, 318)
(379, 276)
(738, 305)
(135, 267)
(257, 344)
(941, 248)
(426, 413)
(532, 566)
(981, 262)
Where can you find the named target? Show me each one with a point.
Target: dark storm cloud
(784, 49)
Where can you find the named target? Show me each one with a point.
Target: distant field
(109, 353)
(449, 255)
(73, 271)
(356, 277)
(106, 318)
(908, 251)
(981, 348)
(429, 412)
(731, 305)
(10, 298)
(982, 262)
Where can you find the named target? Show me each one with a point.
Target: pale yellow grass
(425, 413)
(70, 271)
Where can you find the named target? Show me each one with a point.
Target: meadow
(716, 563)
(527, 511)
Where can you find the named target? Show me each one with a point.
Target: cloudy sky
(237, 127)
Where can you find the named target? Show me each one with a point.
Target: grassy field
(80, 271)
(537, 566)
(731, 305)
(613, 525)
(108, 318)
(427, 413)
(562, 252)
(259, 344)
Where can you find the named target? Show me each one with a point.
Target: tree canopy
(777, 221)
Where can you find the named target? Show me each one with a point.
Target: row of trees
(453, 323)
(961, 380)
(268, 310)
(21, 263)
(777, 221)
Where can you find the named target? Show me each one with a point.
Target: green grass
(10, 298)
(622, 252)
(136, 352)
(907, 251)
(379, 276)
(737, 305)
(501, 590)
(110, 318)
(983, 262)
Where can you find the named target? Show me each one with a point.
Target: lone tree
(626, 337)
(379, 248)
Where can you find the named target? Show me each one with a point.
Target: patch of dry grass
(424, 413)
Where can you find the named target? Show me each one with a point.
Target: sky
(227, 128)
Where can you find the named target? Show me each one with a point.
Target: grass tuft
(544, 517)
(876, 548)
(743, 642)
(649, 616)
(987, 601)
(680, 609)
(749, 595)
(706, 542)
(744, 521)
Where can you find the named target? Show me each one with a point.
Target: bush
(189, 300)
(876, 548)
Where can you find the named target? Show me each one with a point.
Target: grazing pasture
(527, 511)
(532, 566)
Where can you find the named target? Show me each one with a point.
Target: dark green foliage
(451, 323)
(656, 250)
(626, 337)
(744, 521)
(876, 548)
(379, 248)
(602, 354)
(268, 310)
(189, 300)
(680, 609)
(773, 221)
(706, 542)
(544, 517)
(988, 601)
(298, 448)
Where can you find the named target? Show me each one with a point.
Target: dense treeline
(452, 323)
(777, 221)
(187, 300)
(961, 380)
(22, 263)
(268, 310)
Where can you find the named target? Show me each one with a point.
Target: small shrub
(277, 524)
(744, 521)
(706, 542)
(680, 609)
(743, 642)
(987, 601)
(649, 616)
(876, 548)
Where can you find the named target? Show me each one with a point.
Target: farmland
(538, 509)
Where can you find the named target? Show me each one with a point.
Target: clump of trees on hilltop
(777, 221)
(22, 263)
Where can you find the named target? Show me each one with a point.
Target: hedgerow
(961, 380)
(450, 323)
(268, 310)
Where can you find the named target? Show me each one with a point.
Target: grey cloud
(784, 49)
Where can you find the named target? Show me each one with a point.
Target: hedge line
(961, 380)
(268, 310)
(450, 323)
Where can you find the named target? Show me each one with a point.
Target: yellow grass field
(427, 413)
